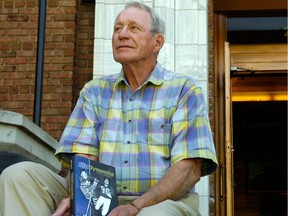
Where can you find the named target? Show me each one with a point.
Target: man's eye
(134, 27)
(117, 29)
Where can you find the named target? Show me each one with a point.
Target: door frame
(224, 203)
(223, 177)
(229, 167)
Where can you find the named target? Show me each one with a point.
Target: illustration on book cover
(94, 188)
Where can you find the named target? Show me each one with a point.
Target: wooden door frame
(229, 149)
(220, 37)
(249, 5)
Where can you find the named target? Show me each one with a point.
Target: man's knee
(166, 208)
(18, 171)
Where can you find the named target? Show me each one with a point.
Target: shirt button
(129, 120)
(126, 161)
(128, 142)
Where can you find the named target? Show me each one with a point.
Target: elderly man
(151, 124)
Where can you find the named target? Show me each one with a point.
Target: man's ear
(159, 41)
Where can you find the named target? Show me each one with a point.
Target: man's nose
(124, 33)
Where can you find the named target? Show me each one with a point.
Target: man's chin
(123, 60)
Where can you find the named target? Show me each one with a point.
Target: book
(92, 187)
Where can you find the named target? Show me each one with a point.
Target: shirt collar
(156, 77)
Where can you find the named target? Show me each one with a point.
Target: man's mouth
(124, 46)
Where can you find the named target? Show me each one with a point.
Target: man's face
(132, 40)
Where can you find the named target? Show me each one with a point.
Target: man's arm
(181, 177)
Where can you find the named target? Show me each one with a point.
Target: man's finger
(63, 207)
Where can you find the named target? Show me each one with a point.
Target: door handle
(222, 172)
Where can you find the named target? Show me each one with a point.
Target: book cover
(92, 187)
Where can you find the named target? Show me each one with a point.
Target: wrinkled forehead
(133, 14)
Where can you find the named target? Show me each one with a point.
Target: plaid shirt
(141, 133)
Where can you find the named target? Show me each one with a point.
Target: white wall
(185, 49)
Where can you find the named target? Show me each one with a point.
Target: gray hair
(157, 25)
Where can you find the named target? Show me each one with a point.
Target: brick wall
(84, 46)
(67, 58)
(211, 75)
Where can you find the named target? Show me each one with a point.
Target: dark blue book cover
(92, 187)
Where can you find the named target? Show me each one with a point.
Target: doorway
(260, 167)
(259, 114)
(248, 24)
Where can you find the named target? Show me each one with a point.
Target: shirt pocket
(155, 134)
(154, 149)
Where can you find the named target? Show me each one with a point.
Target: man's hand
(63, 208)
(124, 210)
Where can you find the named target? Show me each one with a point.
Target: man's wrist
(135, 206)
